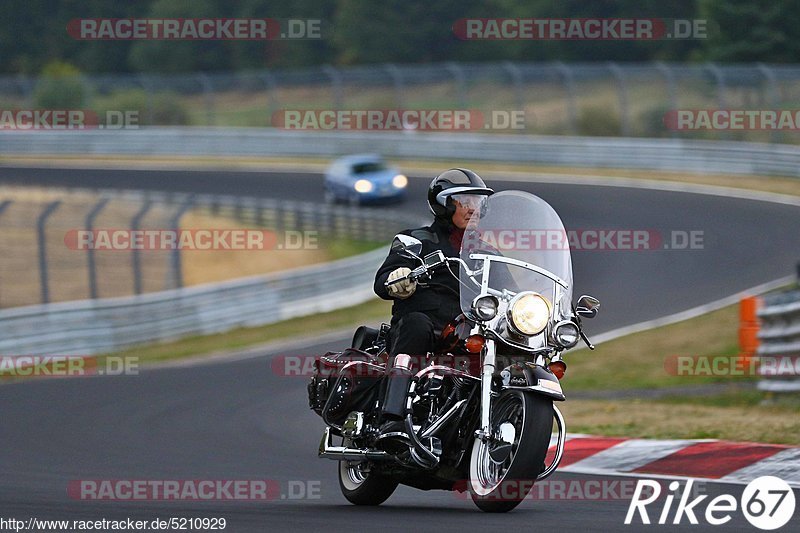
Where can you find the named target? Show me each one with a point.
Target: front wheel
(361, 486)
(503, 471)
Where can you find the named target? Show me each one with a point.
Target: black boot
(394, 402)
(393, 435)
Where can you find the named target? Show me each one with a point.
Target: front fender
(531, 377)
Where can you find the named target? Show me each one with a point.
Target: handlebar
(430, 263)
(425, 269)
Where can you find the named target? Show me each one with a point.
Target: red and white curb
(713, 460)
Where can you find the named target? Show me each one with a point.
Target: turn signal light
(474, 343)
(558, 368)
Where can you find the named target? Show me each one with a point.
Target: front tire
(498, 484)
(362, 487)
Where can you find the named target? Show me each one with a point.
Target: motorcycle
(480, 409)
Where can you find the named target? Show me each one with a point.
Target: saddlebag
(333, 391)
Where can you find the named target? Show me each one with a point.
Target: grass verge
(646, 360)
(339, 248)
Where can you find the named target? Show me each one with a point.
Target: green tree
(751, 30)
(59, 87)
(598, 50)
(289, 52)
(398, 30)
(176, 55)
(34, 33)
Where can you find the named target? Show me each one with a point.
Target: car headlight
(400, 181)
(529, 313)
(566, 333)
(363, 186)
(485, 307)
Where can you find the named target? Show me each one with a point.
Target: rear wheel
(503, 471)
(361, 486)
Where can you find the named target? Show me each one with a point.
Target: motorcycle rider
(420, 311)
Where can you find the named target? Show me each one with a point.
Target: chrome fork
(487, 372)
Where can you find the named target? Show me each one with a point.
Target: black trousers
(412, 334)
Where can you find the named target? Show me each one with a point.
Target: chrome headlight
(566, 333)
(529, 313)
(363, 186)
(485, 307)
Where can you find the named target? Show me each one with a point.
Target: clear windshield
(372, 166)
(521, 227)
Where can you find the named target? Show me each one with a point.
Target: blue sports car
(363, 178)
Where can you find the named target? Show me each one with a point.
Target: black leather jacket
(442, 294)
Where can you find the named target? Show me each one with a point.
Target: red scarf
(456, 236)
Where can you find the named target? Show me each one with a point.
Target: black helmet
(450, 182)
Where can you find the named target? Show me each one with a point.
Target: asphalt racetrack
(241, 420)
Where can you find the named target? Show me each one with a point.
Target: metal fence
(43, 260)
(596, 99)
(779, 349)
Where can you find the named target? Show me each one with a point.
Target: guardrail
(779, 349)
(677, 155)
(97, 326)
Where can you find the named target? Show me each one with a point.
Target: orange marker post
(748, 329)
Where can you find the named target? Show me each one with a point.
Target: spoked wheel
(503, 471)
(363, 487)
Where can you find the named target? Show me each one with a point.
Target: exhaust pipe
(339, 453)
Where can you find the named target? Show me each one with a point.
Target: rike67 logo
(767, 503)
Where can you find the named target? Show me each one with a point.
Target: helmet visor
(470, 201)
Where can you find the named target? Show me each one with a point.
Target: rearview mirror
(587, 306)
(407, 246)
